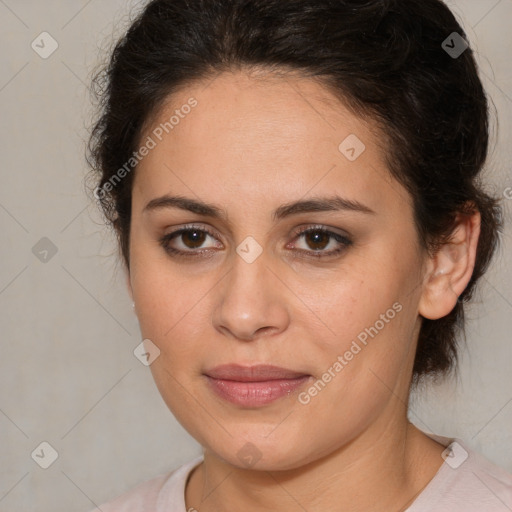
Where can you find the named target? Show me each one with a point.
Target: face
(306, 259)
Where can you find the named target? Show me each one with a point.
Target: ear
(450, 269)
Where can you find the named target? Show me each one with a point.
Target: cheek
(347, 307)
(363, 371)
(174, 313)
(368, 319)
(165, 299)
(172, 318)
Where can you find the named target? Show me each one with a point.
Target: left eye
(318, 238)
(192, 238)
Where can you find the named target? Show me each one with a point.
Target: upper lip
(256, 373)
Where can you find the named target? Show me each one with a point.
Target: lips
(254, 386)
(252, 373)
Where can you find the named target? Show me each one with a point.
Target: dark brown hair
(385, 58)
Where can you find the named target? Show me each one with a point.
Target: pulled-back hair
(383, 58)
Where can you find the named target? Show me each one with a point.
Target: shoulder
(466, 482)
(156, 494)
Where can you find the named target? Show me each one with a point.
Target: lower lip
(255, 394)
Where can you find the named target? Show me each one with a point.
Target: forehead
(260, 136)
(242, 104)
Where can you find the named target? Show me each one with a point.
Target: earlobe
(451, 268)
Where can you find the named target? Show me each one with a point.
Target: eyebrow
(315, 204)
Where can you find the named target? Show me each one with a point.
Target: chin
(255, 453)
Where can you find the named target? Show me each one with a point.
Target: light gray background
(68, 375)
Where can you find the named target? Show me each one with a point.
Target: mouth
(254, 386)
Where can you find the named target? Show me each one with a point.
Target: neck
(381, 469)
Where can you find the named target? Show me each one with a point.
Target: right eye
(190, 239)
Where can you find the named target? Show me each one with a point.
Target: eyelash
(341, 239)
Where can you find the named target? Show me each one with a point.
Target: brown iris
(195, 237)
(317, 238)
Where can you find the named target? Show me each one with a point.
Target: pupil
(195, 237)
(317, 237)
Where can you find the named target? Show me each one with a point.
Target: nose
(251, 301)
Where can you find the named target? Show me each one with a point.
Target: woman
(294, 186)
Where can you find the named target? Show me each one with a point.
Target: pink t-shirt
(466, 482)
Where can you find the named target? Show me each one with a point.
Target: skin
(252, 144)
